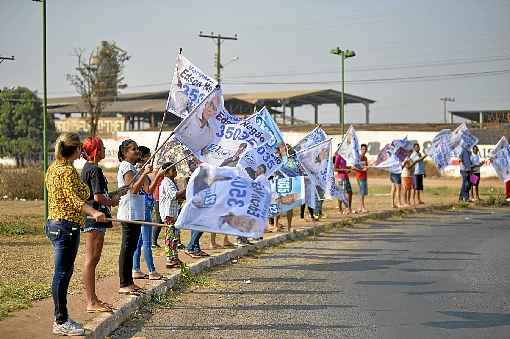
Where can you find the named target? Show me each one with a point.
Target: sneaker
(192, 254)
(172, 263)
(69, 328)
(202, 253)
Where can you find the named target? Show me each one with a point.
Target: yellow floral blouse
(67, 193)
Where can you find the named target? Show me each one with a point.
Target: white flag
(188, 88)
(218, 200)
(349, 148)
(316, 161)
(462, 138)
(502, 143)
(501, 163)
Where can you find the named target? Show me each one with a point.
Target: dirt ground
(27, 259)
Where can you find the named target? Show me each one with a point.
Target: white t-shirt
(131, 206)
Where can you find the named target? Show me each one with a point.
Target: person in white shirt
(476, 164)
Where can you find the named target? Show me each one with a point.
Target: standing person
(67, 202)
(419, 173)
(343, 182)
(465, 171)
(396, 186)
(157, 218)
(361, 177)
(476, 164)
(169, 197)
(407, 178)
(94, 232)
(131, 208)
(145, 238)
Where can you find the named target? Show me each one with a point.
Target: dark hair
(123, 148)
(366, 146)
(263, 167)
(416, 144)
(144, 151)
(167, 166)
(66, 145)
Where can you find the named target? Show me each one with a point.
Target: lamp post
(444, 100)
(344, 54)
(45, 105)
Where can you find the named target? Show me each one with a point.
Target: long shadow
(277, 279)
(417, 270)
(275, 292)
(320, 256)
(394, 283)
(472, 320)
(444, 292)
(339, 249)
(453, 252)
(248, 327)
(274, 307)
(352, 266)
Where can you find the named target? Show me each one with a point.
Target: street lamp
(444, 100)
(45, 106)
(344, 55)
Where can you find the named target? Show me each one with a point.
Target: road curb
(104, 324)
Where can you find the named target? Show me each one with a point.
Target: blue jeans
(466, 186)
(65, 238)
(194, 243)
(145, 241)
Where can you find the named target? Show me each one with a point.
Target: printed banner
(440, 151)
(502, 143)
(349, 148)
(392, 155)
(501, 163)
(316, 136)
(266, 121)
(188, 88)
(263, 159)
(291, 168)
(217, 137)
(218, 200)
(316, 161)
(461, 137)
(287, 193)
(174, 151)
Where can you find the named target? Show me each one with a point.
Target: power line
(2, 58)
(218, 38)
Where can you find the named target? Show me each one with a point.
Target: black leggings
(310, 210)
(130, 235)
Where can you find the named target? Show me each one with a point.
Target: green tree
(21, 125)
(98, 79)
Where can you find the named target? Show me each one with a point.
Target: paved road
(425, 276)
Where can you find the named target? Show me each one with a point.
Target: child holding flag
(361, 177)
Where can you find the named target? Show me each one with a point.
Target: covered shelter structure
(483, 116)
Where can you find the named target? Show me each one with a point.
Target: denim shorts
(396, 178)
(363, 188)
(90, 226)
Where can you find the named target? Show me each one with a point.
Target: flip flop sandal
(139, 275)
(100, 309)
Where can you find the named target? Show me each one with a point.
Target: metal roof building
(483, 116)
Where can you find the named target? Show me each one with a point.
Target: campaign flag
(291, 168)
(316, 161)
(440, 151)
(217, 137)
(392, 155)
(263, 158)
(316, 136)
(189, 87)
(349, 148)
(462, 138)
(266, 121)
(502, 143)
(174, 151)
(501, 163)
(218, 200)
(287, 193)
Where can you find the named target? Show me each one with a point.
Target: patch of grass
(496, 201)
(20, 296)
(21, 183)
(10, 225)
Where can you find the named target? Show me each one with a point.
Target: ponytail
(66, 145)
(123, 149)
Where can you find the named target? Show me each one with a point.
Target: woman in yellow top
(67, 196)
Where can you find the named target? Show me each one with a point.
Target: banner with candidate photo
(219, 200)
(287, 193)
(217, 137)
(392, 155)
(462, 138)
(440, 151)
(502, 143)
(349, 148)
(188, 88)
(263, 159)
(174, 151)
(266, 121)
(316, 136)
(501, 163)
(316, 161)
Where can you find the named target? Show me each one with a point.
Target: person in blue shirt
(419, 173)
(465, 172)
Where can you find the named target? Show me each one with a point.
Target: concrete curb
(105, 324)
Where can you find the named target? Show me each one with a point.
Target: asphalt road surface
(444, 275)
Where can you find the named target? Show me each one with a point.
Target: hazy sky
(282, 42)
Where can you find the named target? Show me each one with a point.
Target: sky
(409, 54)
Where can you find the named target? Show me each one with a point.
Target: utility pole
(45, 104)
(444, 100)
(219, 39)
(344, 54)
(2, 59)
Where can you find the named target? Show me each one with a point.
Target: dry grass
(27, 257)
